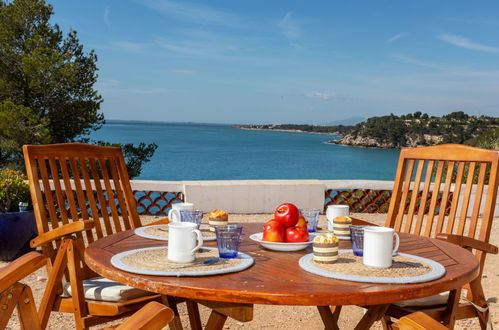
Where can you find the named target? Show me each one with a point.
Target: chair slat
(455, 198)
(445, 197)
(434, 199)
(478, 200)
(110, 194)
(73, 210)
(424, 197)
(100, 195)
(80, 195)
(405, 193)
(119, 193)
(414, 196)
(91, 198)
(58, 191)
(47, 192)
(466, 198)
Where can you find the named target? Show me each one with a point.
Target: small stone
(240, 323)
(41, 278)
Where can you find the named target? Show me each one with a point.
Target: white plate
(277, 246)
(141, 232)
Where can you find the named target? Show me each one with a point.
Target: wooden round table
(277, 279)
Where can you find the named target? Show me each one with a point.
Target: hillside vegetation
(419, 129)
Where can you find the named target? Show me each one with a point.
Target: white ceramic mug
(182, 241)
(378, 246)
(174, 213)
(334, 211)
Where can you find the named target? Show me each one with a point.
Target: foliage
(46, 72)
(487, 140)
(135, 157)
(47, 85)
(13, 190)
(18, 126)
(421, 129)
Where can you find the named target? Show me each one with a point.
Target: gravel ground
(286, 317)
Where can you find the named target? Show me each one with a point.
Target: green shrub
(13, 190)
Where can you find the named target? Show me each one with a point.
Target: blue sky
(288, 61)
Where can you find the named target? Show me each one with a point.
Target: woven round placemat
(405, 269)
(160, 232)
(154, 261)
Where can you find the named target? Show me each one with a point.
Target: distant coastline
(244, 127)
(395, 132)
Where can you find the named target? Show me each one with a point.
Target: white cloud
(395, 37)
(418, 62)
(318, 95)
(107, 10)
(192, 13)
(288, 27)
(466, 43)
(183, 71)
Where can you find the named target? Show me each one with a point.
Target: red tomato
(287, 214)
(296, 234)
(273, 231)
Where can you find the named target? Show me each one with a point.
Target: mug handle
(177, 215)
(397, 243)
(200, 240)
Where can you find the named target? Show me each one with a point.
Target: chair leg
(386, 322)
(27, 310)
(169, 301)
(53, 283)
(8, 301)
(77, 293)
(478, 298)
(449, 315)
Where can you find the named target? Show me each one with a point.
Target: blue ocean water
(220, 152)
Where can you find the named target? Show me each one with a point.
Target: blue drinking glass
(228, 239)
(194, 216)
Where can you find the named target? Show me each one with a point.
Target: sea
(189, 151)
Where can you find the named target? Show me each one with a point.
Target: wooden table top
(277, 279)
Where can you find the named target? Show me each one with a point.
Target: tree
(50, 74)
(18, 126)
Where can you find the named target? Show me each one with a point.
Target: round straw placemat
(154, 261)
(160, 232)
(406, 268)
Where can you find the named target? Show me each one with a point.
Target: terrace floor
(284, 317)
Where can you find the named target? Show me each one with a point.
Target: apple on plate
(296, 234)
(273, 231)
(302, 222)
(287, 214)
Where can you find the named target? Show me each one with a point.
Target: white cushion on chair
(103, 289)
(437, 299)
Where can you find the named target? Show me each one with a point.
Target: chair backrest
(74, 181)
(450, 189)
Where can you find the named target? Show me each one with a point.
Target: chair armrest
(62, 231)
(359, 222)
(419, 320)
(20, 268)
(161, 221)
(152, 316)
(468, 242)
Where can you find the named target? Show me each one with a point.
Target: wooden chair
(81, 193)
(419, 321)
(12, 293)
(447, 192)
